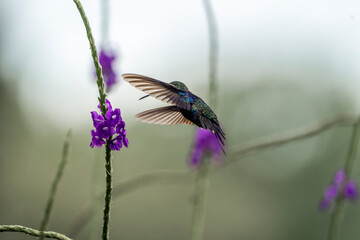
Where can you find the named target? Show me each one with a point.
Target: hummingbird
(185, 108)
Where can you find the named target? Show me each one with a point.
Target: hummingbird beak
(143, 97)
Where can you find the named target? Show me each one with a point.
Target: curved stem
(102, 100)
(337, 214)
(100, 80)
(50, 202)
(275, 140)
(201, 185)
(32, 232)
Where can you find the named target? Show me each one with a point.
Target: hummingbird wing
(169, 115)
(160, 90)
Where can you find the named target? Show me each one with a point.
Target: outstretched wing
(169, 115)
(160, 90)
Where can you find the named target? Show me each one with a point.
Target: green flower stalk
(336, 216)
(103, 108)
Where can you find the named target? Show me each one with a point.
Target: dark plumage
(186, 108)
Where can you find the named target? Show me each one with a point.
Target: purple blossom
(340, 187)
(108, 105)
(96, 140)
(97, 118)
(105, 129)
(107, 57)
(350, 190)
(112, 127)
(113, 117)
(205, 142)
(116, 143)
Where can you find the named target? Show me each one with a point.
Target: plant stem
(278, 139)
(198, 218)
(100, 80)
(32, 232)
(108, 168)
(50, 202)
(337, 214)
(213, 52)
(102, 100)
(354, 144)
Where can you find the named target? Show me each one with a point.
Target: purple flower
(329, 196)
(114, 117)
(339, 178)
(107, 57)
(96, 140)
(340, 187)
(97, 118)
(105, 130)
(350, 190)
(116, 143)
(205, 142)
(108, 105)
(112, 127)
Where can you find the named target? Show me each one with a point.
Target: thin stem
(201, 185)
(50, 202)
(275, 140)
(32, 232)
(108, 168)
(354, 144)
(198, 218)
(102, 100)
(213, 52)
(100, 80)
(337, 214)
(96, 202)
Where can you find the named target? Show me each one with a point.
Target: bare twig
(32, 232)
(50, 202)
(245, 149)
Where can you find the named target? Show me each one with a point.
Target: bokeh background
(282, 65)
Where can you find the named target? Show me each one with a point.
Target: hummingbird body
(186, 108)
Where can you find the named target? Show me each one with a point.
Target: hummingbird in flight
(186, 107)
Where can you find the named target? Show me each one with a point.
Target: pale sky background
(45, 49)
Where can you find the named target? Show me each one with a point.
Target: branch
(242, 150)
(32, 232)
(50, 202)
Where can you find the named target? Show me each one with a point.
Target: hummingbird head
(179, 85)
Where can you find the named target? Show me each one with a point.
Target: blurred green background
(282, 65)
